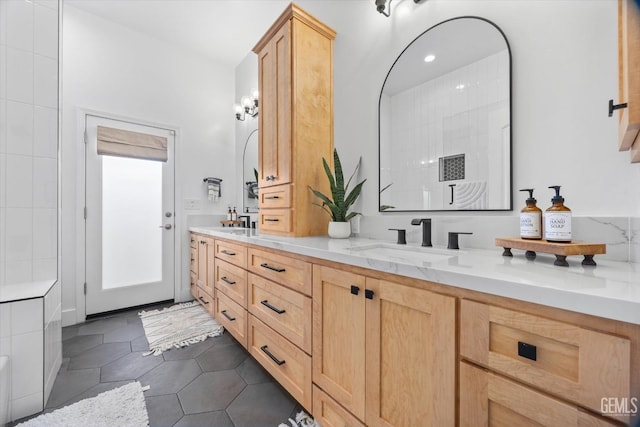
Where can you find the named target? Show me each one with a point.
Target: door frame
(80, 242)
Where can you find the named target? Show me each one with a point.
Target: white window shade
(125, 143)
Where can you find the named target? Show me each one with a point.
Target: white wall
(110, 69)
(564, 72)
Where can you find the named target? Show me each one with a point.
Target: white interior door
(129, 223)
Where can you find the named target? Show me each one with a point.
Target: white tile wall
(30, 330)
(28, 140)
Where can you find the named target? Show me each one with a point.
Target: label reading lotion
(530, 225)
(557, 226)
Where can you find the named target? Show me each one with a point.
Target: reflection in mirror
(445, 121)
(249, 173)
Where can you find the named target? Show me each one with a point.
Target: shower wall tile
(20, 74)
(19, 132)
(45, 181)
(19, 176)
(45, 81)
(18, 235)
(46, 25)
(45, 132)
(19, 24)
(45, 237)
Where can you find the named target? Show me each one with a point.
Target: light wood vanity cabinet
(556, 367)
(202, 270)
(629, 76)
(295, 79)
(384, 351)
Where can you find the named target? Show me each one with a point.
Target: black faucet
(245, 224)
(426, 229)
(402, 236)
(453, 239)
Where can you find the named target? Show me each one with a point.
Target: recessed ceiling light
(429, 58)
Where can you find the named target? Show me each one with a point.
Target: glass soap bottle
(531, 219)
(557, 219)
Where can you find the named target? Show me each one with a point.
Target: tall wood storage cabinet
(295, 77)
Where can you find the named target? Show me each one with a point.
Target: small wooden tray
(560, 250)
(230, 223)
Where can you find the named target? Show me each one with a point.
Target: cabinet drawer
(487, 399)
(231, 280)
(571, 362)
(290, 272)
(206, 300)
(328, 413)
(233, 317)
(289, 365)
(286, 311)
(194, 260)
(277, 220)
(231, 252)
(275, 197)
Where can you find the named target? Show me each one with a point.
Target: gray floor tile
(69, 332)
(129, 367)
(95, 390)
(211, 391)
(127, 333)
(252, 373)
(69, 384)
(170, 377)
(189, 352)
(79, 344)
(140, 344)
(102, 326)
(100, 355)
(261, 405)
(222, 357)
(206, 419)
(163, 410)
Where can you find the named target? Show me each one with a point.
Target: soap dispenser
(557, 219)
(531, 219)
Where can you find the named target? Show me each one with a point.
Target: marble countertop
(610, 290)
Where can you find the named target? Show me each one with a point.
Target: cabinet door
(274, 79)
(411, 356)
(487, 399)
(339, 336)
(629, 76)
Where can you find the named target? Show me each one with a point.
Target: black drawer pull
(202, 300)
(528, 351)
(224, 313)
(271, 219)
(368, 294)
(277, 310)
(227, 281)
(271, 356)
(226, 252)
(354, 290)
(276, 269)
(271, 197)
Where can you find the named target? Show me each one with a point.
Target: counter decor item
(531, 219)
(560, 250)
(557, 219)
(337, 204)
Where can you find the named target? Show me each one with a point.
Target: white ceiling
(224, 30)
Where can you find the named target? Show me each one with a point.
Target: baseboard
(69, 317)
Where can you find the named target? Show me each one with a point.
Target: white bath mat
(178, 326)
(123, 406)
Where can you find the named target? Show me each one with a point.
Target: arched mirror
(249, 172)
(445, 121)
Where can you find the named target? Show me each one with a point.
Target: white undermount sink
(404, 254)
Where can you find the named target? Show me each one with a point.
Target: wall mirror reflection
(445, 121)
(249, 172)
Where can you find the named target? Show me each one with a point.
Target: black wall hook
(612, 107)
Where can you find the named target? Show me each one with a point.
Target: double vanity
(365, 332)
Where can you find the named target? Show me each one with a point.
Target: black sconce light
(248, 105)
(384, 6)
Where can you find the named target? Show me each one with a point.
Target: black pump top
(530, 199)
(557, 198)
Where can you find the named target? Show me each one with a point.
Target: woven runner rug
(178, 326)
(122, 406)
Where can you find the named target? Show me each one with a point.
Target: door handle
(166, 226)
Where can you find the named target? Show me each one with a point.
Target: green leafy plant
(385, 207)
(337, 205)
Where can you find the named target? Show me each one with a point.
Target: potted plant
(338, 203)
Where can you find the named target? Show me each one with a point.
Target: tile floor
(212, 383)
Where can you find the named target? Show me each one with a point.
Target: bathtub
(4, 390)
